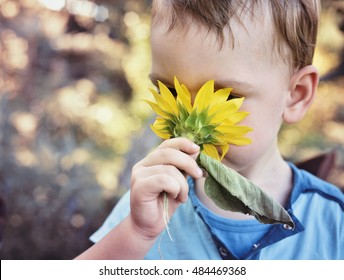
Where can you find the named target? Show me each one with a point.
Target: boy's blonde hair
(295, 21)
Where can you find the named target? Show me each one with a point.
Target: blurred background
(73, 74)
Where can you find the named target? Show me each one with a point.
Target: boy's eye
(173, 91)
(233, 96)
(230, 97)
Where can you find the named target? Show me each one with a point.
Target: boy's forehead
(256, 27)
(195, 56)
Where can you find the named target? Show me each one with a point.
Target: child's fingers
(160, 183)
(170, 156)
(169, 170)
(182, 144)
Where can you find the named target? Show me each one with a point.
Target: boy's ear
(302, 91)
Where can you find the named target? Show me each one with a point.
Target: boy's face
(195, 56)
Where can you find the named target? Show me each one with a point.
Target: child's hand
(164, 170)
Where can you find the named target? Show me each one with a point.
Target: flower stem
(165, 213)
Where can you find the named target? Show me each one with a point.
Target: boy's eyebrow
(154, 78)
(235, 84)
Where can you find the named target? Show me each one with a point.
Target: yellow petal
(224, 150)
(160, 101)
(233, 129)
(186, 90)
(219, 117)
(158, 110)
(219, 97)
(159, 128)
(223, 108)
(183, 96)
(240, 141)
(203, 96)
(168, 97)
(237, 101)
(235, 135)
(238, 117)
(160, 133)
(210, 150)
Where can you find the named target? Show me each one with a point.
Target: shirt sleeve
(118, 213)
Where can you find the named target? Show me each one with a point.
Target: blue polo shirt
(317, 209)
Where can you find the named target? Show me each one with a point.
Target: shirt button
(287, 227)
(256, 246)
(223, 251)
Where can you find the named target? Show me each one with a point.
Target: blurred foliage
(73, 74)
(322, 130)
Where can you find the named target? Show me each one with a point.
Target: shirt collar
(277, 231)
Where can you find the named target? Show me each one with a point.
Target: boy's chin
(236, 161)
(229, 162)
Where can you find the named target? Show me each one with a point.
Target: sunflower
(211, 121)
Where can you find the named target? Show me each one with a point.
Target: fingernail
(199, 172)
(195, 146)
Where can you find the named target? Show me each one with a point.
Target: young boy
(263, 50)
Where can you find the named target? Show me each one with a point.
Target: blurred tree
(67, 117)
(338, 71)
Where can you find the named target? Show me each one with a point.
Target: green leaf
(207, 131)
(202, 118)
(191, 120)
(183, 113)
(233, 192)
